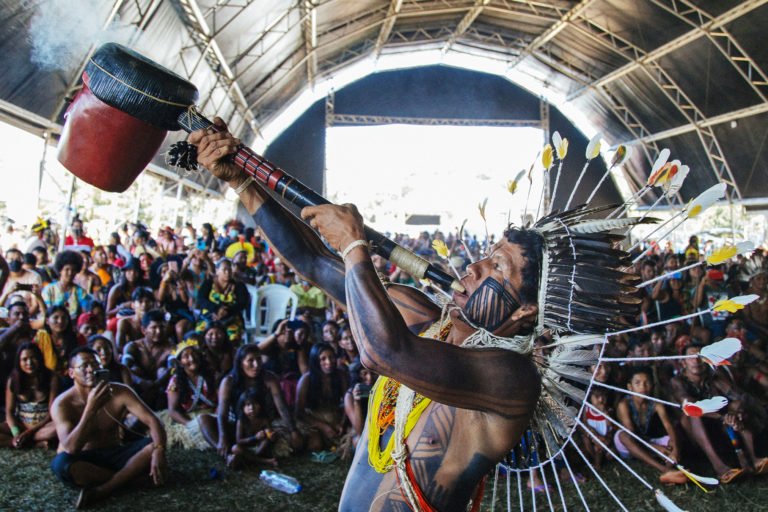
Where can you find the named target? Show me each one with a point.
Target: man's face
(154, 331)
(693, 365)
(18, 313)
(83, 369)
(77, 228)
(142, 305)
(492, 286)
(640, 383)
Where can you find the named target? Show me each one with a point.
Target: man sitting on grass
(88, 422)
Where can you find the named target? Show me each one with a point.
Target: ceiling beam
(464, 24)
(690, 36)
(309, 31)
(200, 32)
(735, 115)
(386, 27)
(551, 32)
(695, 116)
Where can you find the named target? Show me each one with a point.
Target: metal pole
(46, 135)
(67, 212)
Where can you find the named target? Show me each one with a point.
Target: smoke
(61, 32)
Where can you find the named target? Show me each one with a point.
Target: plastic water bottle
(281, 482)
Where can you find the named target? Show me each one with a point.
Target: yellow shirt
(43, 340)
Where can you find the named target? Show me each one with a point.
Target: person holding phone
(25, 282)
(91, 454)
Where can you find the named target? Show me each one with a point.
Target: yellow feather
(727, 305)
(725, 253)
(440, 247)
(547, 156)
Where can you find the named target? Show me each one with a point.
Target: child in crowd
(255, 439)
(598, 424)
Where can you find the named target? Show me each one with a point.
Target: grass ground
(27, 484)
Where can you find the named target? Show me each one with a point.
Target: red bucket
(104, 146)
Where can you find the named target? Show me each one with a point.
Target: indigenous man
(471, 406)
(88, 422)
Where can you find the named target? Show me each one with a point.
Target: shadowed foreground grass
(27, 484)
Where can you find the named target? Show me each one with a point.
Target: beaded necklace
(382, 407)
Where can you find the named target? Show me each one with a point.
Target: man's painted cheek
(490, 305)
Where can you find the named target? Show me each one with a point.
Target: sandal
(730, 475)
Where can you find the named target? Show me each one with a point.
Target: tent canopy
(685, 74)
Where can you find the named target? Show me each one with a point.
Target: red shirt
(83, 240)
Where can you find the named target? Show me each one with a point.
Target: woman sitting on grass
(189, 420)
(320, 399)
(29, 394)
(248, 373)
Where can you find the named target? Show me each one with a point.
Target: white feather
(593, 148)
(660, 160)
(571, 373)
(677, 181)
(666, 503)
(574, 357)
(745, 299)
(706, 199)
(743, 247)
(706, 406)
(580, 340)
(713, 482)
(599, 226)
(720, 351)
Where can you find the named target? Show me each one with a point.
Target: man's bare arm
(138, 408)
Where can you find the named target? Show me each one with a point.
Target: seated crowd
(151, 331)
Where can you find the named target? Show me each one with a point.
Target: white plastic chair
(269, 304)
